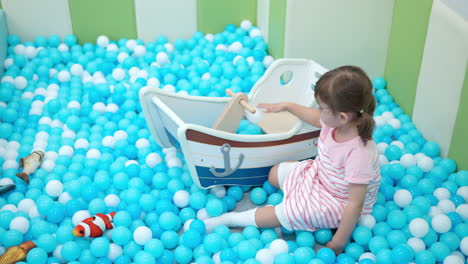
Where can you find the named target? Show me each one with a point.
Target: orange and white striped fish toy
(94, 226)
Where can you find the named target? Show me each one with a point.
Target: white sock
(232, 219)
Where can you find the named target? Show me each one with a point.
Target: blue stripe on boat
(249, 176)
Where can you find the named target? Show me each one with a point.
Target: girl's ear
(344, 117)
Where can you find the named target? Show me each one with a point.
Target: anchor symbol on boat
(225, 149)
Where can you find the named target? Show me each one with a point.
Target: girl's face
(328, 117)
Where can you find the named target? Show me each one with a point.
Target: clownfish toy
(94, 226)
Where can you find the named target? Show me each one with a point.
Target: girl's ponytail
(365, 122)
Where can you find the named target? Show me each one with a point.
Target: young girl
(341, 184)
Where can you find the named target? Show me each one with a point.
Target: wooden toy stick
(242, 102)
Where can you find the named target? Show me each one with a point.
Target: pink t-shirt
(317, 191)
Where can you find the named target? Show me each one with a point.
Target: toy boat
(202, 127)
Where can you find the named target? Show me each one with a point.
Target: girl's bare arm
(306, 114)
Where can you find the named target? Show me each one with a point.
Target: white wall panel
(263, 16)
(171, 18)
(31, 18)
(442, 73)
(337, 32)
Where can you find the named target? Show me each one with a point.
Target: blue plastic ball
(70, 251)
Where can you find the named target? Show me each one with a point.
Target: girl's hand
(335, 247)
(273, 108)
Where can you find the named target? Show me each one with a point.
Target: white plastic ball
(219, 191)
(398, 144)
(112, 47)
(278, 246)
(268, 60)
(74, 105)
(153, 159)
(19, 49)
(162, 58)
(9, 207)
(63, 47)
(76, 69)
(367, 221)
(209, 37)
(235, 47)
(30, 52)
(463, 192)
(206, 76)
(26, 204)
(387, 116)
(54, 188)
(246, 24)
(255, 32)
(120, 134)
(153, 82)
(441, 223)
(416, 244)
(250, 61)
(93, 154)
(27, 95)
(10, 164)
(33, 212)
(21, 82)
(434, 210)
(69, 134)
(6, 181)
(169, 47)
(131, 44)
(64, 198)
(265, 256)
(102, 41)
(441, 193)
(446, 206)
(169, 88)
(402, 198)
(112, 200)
(112, 108)
(181, 198)
(8, 62)
(58, 254)
(425, 164)
(120, 58)
(142, 234)
(80, 216)
(221, 47)
(256, 117)
(81, 143)
(142, 143)
(462, 210)
(382, 160)
(63, 76)
(66, 151)
(43, 92)
(187, 225)
(464, 246)
(217, 257)
(51, 155)
(408, 160)
(114, 252)
(56, 123)
(395, 123)
(202, 214)
(139, 51)
(8, 78)
(452, 259)
(20, 223)
(418, 227)
(130, 162)
(368, 255)
(174, 162)
(48, 165)
(108, 141)
(133, 71)
(142, 74)
(99, 107)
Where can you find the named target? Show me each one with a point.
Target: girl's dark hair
(349, 89)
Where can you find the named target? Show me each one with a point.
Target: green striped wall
(114, 18)
(405, 52)
(459, 145)
(214, 15)
(276, 28)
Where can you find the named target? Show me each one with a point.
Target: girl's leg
(259, 217)
(273, 176)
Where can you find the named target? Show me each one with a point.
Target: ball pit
(79, 103)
